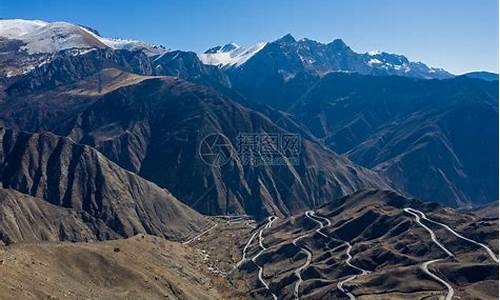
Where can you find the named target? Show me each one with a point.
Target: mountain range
(104, 138)
(381, 116)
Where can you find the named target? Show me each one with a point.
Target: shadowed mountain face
(367, 245)
(487, 76)
(90, 197)
(155, 126)
(416, 132)
(436, 140)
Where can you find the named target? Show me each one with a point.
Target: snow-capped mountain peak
(37, 42)
(286, 55)
(58, 36)
(49, 37)
(289, 57)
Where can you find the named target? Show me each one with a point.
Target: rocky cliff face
(187, 66)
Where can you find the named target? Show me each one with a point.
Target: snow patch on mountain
(133, 45)
(58, 36)
(17, 27)
(374, 52)
(229, 55)
(374, 61)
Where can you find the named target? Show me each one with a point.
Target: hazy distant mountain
(436, 139)
(488, 76)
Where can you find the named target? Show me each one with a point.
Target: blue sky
(459, 35)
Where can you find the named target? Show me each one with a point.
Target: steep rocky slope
(24, 218)
(94, 192)
(67, 67)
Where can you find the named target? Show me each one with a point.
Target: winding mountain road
(425, 266)
(340, 286)
(200, 235)
(488, 250)
(245, 249)
(299, 270)
(418, 217)
(270, 221)
(311, 215)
